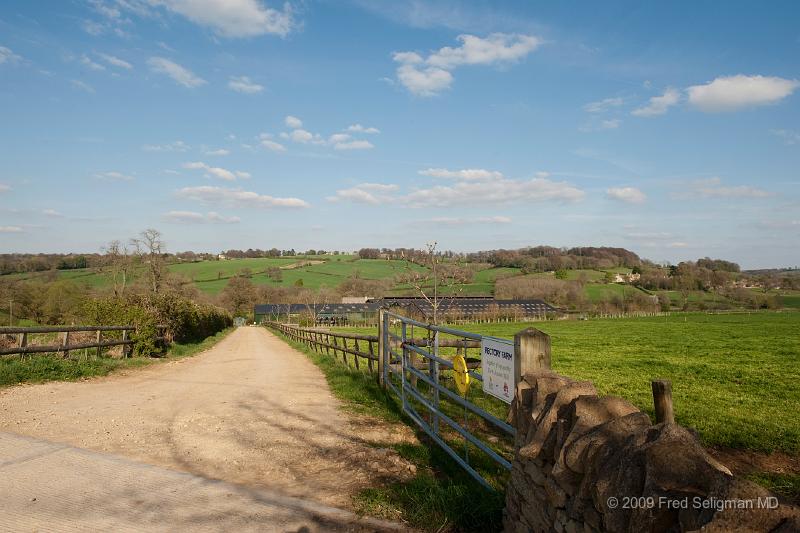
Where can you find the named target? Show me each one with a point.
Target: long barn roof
(465, 305)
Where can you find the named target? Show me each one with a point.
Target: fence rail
(23, 347)
(328, 342)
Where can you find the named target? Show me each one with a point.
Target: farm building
(454, 308)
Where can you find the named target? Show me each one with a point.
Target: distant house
(222, 257)
(626, 278)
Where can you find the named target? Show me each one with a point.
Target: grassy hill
(330, 271)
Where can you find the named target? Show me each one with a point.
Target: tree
(275, 273)
(437, 278)
(561, 273)
(664, 302)
(119, 263)
(151, 249)
(369, 253)
(315, 300)
(238, 296)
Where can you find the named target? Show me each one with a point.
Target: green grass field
(734, 377)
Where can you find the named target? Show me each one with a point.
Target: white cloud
(339, 141)
(113, 176)
(467, 174)
(193, 217)
(338, 138)
(269, 144)
(179, 74)
(176, 146)
(602, 106)
(658, 105)
(51, 213)
(293, 122)
(608, 124)
(789, 137)
(353, 145)
(455, 221)
(713, 188)
(432, 75)
(87, 62)
(7, 56)
(495, 192)
(234, 18)
(217, 172)
(630, 195)
(238, 198)
(732, 93)
(83, 86)
(427, 81)
(366, 193)
(114, 61)
(10, 229)
(496, 48)
(220, 152)
(301, 136)
(243, 84)
(358, 128)
(4, 187)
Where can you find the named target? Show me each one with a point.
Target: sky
(671, 128)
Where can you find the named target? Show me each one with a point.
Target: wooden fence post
(125, 347)
(532, 352)
(381, 346)
(99, 336)
(662, 401)
(65, 343)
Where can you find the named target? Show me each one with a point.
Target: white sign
(497, 364)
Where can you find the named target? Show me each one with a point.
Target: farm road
(251, 412)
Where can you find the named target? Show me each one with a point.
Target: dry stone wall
(586, 463)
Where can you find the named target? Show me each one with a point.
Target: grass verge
(41, 368)
(442, 496)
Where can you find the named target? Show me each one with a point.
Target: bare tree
(316, 300)
(119, 261)
(150, 249)
(437, 279)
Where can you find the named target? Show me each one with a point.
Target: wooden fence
(344, 344)
(24, 346)
(328, 342)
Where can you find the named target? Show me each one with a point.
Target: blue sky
(670, 129)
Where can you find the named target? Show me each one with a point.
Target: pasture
(734, 376)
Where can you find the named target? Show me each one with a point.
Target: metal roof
(465, 305)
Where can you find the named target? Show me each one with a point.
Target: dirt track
(250, 411)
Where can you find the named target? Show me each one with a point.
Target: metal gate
(416, 367)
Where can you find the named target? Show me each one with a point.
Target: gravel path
(250, 411)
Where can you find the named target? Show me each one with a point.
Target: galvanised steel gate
(419, 371)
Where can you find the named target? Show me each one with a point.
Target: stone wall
(586, 463)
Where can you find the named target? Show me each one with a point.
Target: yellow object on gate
(460, 374)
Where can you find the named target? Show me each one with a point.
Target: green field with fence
(734, 376)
